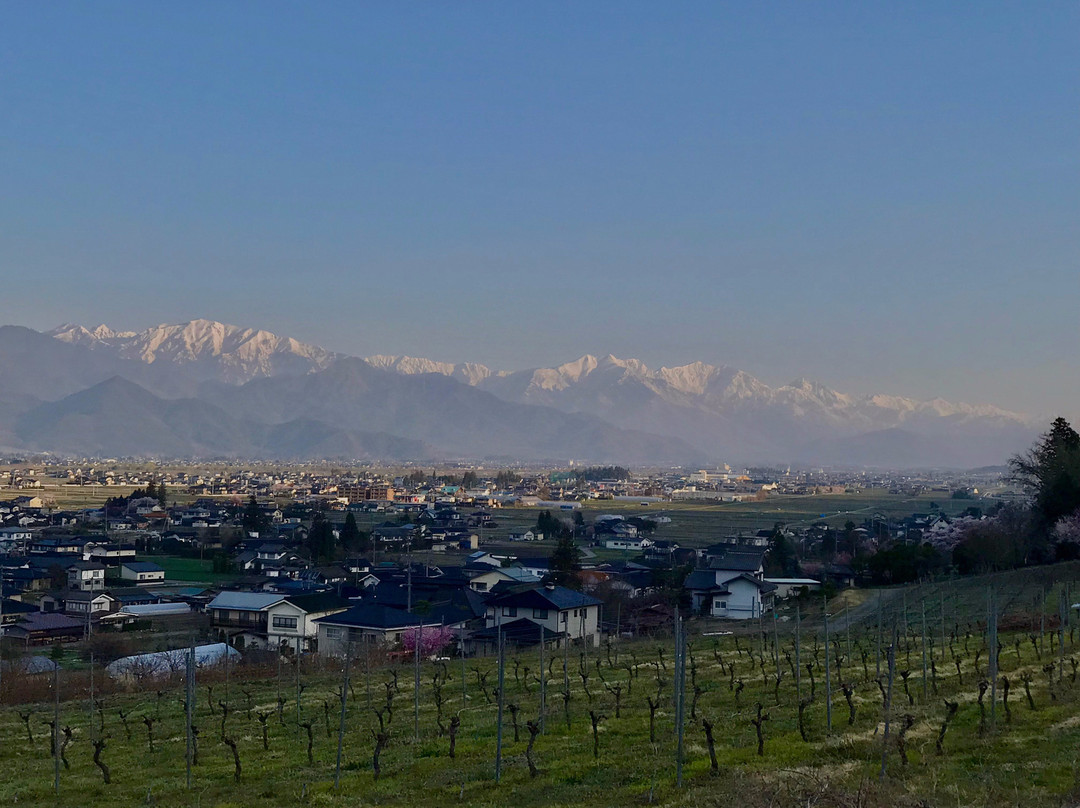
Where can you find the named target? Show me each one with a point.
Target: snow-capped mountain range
(695, 411)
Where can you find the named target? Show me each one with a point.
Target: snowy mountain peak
(468, 372)
(230, 352)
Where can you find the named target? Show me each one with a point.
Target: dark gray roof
(376, 616)
(143, 566)
(558, 598)
(738, 560)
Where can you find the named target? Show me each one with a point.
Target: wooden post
(828, 675)
(798, 652)
(924, 693)
(56, 727)
(502, 699)
(297, 687)
(189, 706)
(993, 662)
(887, 707)
(416, 680)
(543, 682)
(680, 701)
(341, 723)
(878, 654)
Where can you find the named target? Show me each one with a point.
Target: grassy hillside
(1025, 757)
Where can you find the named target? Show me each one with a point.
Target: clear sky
(880, 196)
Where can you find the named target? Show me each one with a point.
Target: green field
(189, 569)
(1023, 757)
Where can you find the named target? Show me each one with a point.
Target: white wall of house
(576, 623)
(286, 622)
(86, 580)
(334, 640)
(742, 602)
(627, 543)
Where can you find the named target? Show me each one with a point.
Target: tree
(565, 563)
(551, 525)
(1050, 470)
(351, 537)
(254, 520)
(506, 479)
(469, 479)
(780, 560)
(320, 539)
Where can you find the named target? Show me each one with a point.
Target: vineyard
(894, 700)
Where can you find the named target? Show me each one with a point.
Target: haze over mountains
(208, 389)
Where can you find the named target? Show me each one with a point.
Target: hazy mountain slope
(36, 368)
(119, 418)
(461, 419)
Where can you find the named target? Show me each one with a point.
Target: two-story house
(565, 614)
(88, 576)
(733, 586)
(270, 620)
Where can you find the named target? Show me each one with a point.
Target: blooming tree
(432, 640)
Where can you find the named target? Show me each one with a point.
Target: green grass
(1029, 761)
(190, 569)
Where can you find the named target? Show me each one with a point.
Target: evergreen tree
(151, 489)
(565, 563)
(320, 540)
(1051, 471)
(351, 537)
(780, 560)
(162, 493)
(254, 521)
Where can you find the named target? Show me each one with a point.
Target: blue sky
(881, 196)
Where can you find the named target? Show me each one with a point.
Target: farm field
(699, 525)
(1017, 750)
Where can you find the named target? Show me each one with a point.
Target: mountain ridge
(719, 410)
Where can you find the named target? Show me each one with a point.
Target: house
(561, 611)
(269, 620)
(487, 580)
(526, 535)
(107, 553)
(156, 615)
(661, 552)
(632, 543)
(79, 603)
(735, 595)
(86, 575)
(16, 535)
(40, 628)
(142, 572)
(539, 567)
(786, 587)
(59, 546)
(370, 624)
(292, 620)
(11, 610)
(481, 557)
(739, 560)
